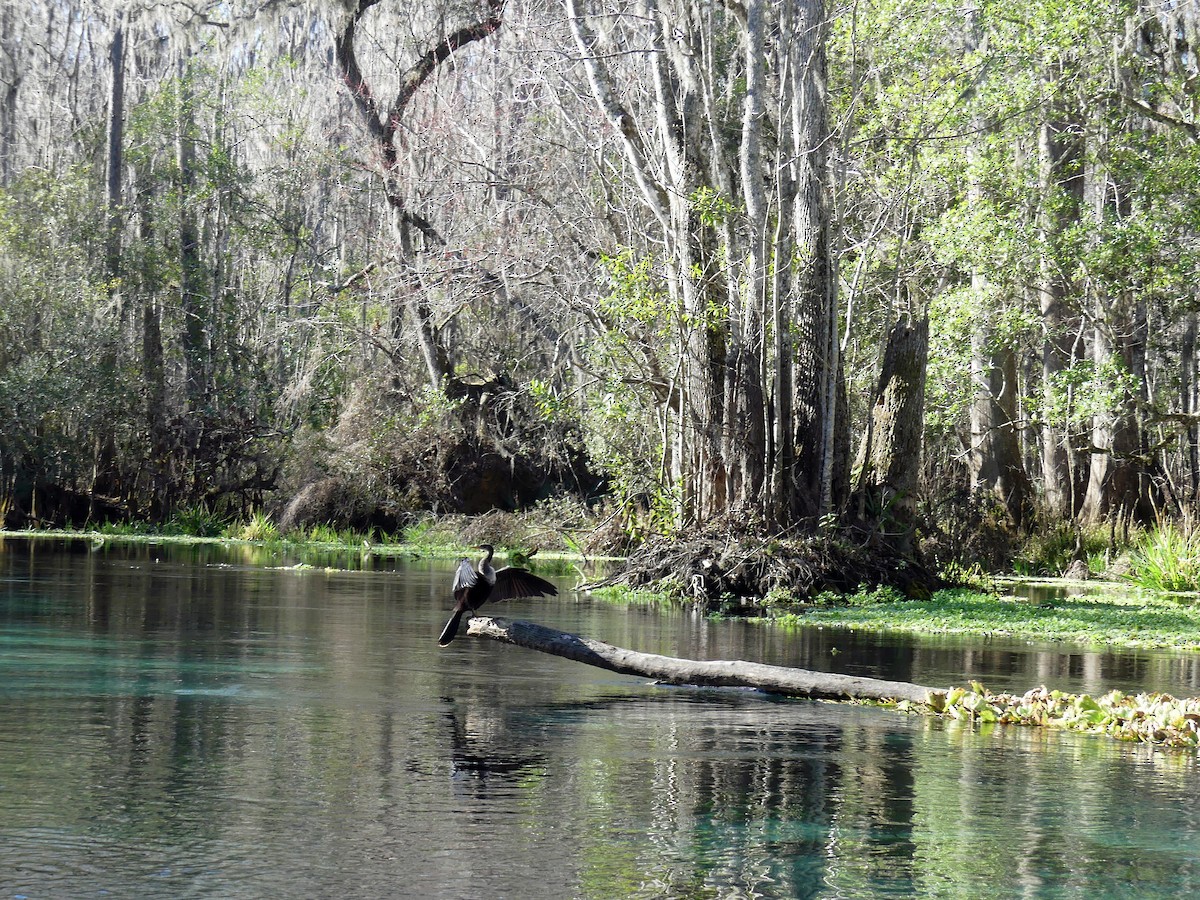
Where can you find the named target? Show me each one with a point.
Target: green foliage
(1167, 559)
(1084, 390)
(622, 418)
(196, 521)
(637, 291)
(65, 386)
(258, 527)
(1049, 551)
(711, 206)
(1104, 619)
(550, 404)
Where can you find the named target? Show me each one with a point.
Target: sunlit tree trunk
(995, 462)
(1061, 196)
(1187, 405)
(996, 465)
(890, 459)
(193, 302)
(9, 90)
(817, 378)
(1117, 486)
(115, 162)
(745, 403)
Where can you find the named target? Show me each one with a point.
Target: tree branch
(618, 116)
(419, 73)
(347, 59)
(716, 673)
(1192, 130)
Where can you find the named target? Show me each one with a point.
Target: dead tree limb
(720, 673)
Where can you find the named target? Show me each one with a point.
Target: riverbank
(329, 549)
(1108, 614)
(1096, 614)
(1112, 615)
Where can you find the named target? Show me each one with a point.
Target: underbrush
(1049, 552)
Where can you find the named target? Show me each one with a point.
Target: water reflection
(481, 744)
(171, 729)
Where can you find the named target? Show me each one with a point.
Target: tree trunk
(714, 673)
(1061, 190)
(744, 407)
(8, 98)
(1187, 405)
(195, 340)
(116, 132)
(995, 460)
(890, 459)
(1118, 487)
(816, 367)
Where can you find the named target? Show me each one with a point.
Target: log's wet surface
(189, 723)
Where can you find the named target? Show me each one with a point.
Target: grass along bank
(321, 547)
(1133, 619)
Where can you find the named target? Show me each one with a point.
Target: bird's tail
(451, 628)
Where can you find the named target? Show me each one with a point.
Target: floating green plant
(1150, 718)
(1131, 619)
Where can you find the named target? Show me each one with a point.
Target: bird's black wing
(512, 581)
(465, 575)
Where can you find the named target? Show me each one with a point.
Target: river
(210, 722)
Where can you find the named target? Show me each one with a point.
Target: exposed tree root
(724, 567)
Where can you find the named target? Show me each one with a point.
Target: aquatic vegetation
(1150, 718)
(1130, 620)
(623, 593)
(428, 536)
(127, 529)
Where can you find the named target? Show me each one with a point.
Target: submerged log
(717, 672)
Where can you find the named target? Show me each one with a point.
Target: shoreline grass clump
(1167, 559)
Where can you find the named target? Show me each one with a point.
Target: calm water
(184, 724)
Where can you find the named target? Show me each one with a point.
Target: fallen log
(717, 672)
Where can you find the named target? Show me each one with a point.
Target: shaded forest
(922, 272)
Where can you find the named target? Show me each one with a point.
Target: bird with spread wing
(475, 585)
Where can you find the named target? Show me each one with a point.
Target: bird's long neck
(485, 567)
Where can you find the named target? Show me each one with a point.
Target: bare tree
(752, 308)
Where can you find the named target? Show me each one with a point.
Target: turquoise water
(180, 723)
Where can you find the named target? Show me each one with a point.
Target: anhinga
(475, 586)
